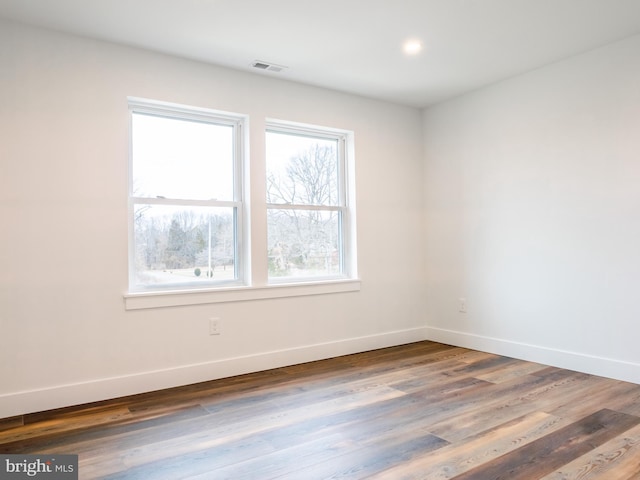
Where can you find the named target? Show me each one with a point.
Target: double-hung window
(185, 197)
(308, 215)
(189, 217)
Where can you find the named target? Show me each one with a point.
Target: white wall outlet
(462, 305)
(214, 326)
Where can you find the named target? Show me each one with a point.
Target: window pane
(181, 159)
(304, 243)
(301, 170)
(182, 245)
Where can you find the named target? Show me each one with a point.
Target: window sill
(175, 298)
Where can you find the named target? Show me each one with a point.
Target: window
(308, 219)
(189, 217)
(185, 197)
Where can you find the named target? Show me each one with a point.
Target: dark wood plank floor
(420, 411)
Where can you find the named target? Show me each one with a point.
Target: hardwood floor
(418, 411)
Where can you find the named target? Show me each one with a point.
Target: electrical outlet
(214, 326)
(462, 305)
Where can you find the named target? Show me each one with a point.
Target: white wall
(65, 337)
(532, 191)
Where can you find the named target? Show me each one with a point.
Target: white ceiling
(353, 45)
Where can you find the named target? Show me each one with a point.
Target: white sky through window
(181, 159)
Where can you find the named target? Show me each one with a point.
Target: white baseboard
(37, 400)
(601, 366)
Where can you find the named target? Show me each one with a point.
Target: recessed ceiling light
(412, 47)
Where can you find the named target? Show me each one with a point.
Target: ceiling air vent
(271, 67)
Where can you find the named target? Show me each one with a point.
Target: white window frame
(241, 247)
(346, 197)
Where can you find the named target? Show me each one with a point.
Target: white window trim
(177, 298)
(246, 290)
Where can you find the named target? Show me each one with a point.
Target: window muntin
(186, 204)
(307, 214)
